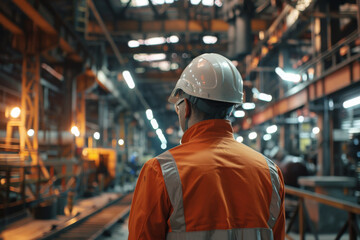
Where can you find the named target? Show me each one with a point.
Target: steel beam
(169, 26)
(45, 26)
(12, 27)
(115, 48)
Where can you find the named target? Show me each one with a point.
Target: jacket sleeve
(279, 228)
(150, 207)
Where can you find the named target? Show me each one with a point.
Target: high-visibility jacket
(209, 187)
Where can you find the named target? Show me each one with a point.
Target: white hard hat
(210, 76)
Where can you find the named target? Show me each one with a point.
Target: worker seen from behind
(210, 186)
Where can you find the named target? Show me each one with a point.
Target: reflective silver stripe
(231, 234)
(174, 189)
(275, 203)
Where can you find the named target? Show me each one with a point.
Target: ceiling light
(195, 2)
(252, 135)
(290, 77)
(101, 76)
(261, 35)
(142, 57)
(301, 119)
(133, 44)
(209, 39)
(155, 41)
(173, 39)
(315, 130)
(240, 139)
(303, 4)
(128, 79)
(158, 2)
(352, 102)
(121, 142)
(149, 114)
(248, 106)
(15, 112)
(267, 137)
(30, 132)
(164, 66)
(208, 3)
(174, 66)
(159, 132)
(264, 97)
(154, 123)
(96, 135)
(75, 130)
(140, 3)
(218, 3)
(239, 114)
(271, 129)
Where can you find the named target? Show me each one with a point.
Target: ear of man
(187, 108)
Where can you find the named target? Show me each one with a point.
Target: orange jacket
(209, 182)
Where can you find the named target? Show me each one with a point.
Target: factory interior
(84, 87)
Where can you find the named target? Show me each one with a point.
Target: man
(210, 186)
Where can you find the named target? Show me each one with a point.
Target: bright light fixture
(240, 139)
(271, 129)
(252, 135)
(267, 137)
(301, 119)
(302, 5)
(133, 44)
(154, 123)
(239, 114)
(248, 106)
(264, 97)
(15, 112)
(128, 79)
(352, 102)
(155, 41)
(159, 132)
(75, 130)
(209, 39)
(290, 77)
(101, 76)
(149, 114)
(163, 146)
(315, 130)
(208, 3)
(195, 2)
(174, 66)
(218, 3)
(121, 142)
(30, 132)
(141, 3)
(96, 135)
(142, 57)
(173, 39)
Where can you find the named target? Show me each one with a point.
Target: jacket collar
(214, 128)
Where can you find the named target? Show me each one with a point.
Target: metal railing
(352, 209)
(22, 183)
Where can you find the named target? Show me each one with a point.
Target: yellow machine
(105, 161)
